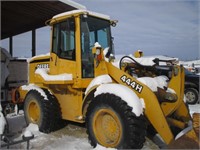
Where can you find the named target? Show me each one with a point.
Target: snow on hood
(34, 87)
(60, 77)
(154, 83)
(124, 93)
(38, 56)
(98, 80)
(145, 60)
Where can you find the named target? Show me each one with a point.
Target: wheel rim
(34, 111)
(107, 128)
(190, 96)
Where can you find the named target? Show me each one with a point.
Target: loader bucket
(189, 137)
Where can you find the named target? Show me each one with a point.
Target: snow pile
(34, 87)
(28, 134)
(59, 141)
(194, 108)
(154, 83)
(2, 121)
(99, 80)
(31, 129)
(70, 143)
(124, 93)
(43, 72)
(100, 147)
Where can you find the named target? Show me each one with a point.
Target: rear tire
(45, 113)
(191, 95)
(110, 122)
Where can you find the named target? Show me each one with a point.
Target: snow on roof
(83, 12)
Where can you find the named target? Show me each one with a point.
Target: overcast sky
(157, 27)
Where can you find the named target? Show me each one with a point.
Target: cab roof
(77, 12)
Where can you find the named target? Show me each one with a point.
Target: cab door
(63, 58)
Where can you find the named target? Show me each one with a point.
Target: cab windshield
(93, 30)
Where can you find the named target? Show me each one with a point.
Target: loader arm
(179, 107)
(152, 110)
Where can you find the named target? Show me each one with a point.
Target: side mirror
(113, 23)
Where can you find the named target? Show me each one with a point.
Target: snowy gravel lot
(72, 137)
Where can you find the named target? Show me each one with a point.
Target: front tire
(110, 122)
(191, 95)
(45, 113)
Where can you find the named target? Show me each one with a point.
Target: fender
(125, 93)
(102, 79)
(89, 92)
(190, 85)
(112, 88)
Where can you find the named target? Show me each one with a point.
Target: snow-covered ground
(72, 137)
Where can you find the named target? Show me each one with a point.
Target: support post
(11, 45)
(33, 43)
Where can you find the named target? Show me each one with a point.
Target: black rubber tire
(133, 127)
(55, 109)
(194, 93)
(50, 112)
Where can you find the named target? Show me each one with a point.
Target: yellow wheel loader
(80, 81)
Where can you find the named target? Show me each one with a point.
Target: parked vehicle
(191, 87)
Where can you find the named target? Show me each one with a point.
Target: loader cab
(73, 37)
(93, 30)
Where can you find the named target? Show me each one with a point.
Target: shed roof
(22, 16)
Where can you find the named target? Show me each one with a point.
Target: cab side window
(64, 39)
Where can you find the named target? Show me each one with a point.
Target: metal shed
(21, 16)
